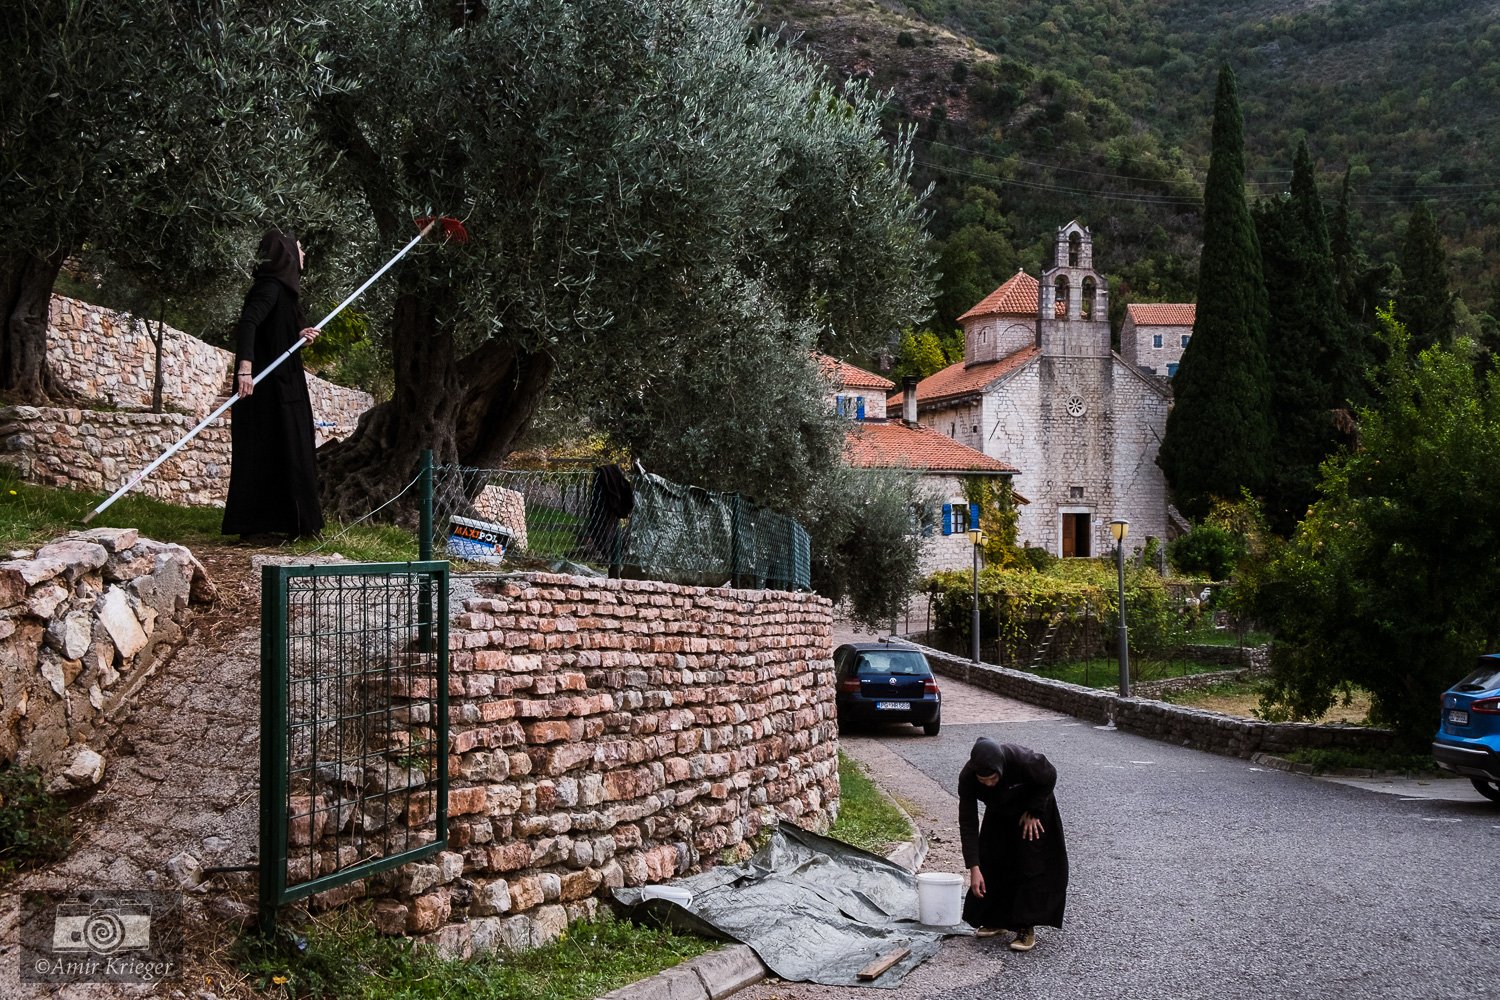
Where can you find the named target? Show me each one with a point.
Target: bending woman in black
(273, 479)
(1017, 861)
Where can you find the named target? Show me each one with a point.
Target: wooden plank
(878, 967)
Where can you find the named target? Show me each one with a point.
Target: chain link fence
(599, 521)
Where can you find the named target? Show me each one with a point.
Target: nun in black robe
(273, 479)
(1019, 851)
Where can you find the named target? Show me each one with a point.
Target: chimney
(909, 400)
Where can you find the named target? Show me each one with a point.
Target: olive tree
(151, 133)
(660, 206)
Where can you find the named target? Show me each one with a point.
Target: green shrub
(34, 826)
(1209, 549)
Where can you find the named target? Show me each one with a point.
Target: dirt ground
(182, 778)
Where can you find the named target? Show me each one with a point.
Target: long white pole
(255, 381)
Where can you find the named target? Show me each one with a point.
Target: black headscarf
(277, 258)
(987, 758)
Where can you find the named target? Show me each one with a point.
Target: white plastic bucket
(940, 898)
(675, 894)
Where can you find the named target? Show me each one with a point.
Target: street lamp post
(1118, 529)
(977, 537)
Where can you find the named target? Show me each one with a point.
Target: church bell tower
(1073, 320)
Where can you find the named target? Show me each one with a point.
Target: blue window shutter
(859, 406)
(973, 516)
(947, 519)
(1171, 370)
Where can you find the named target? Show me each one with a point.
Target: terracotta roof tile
(844, 375)
(1162, 313)
(891, 444)
(1017, 297)
(963, 380)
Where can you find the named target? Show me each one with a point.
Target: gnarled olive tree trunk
(25, 299)
(468, 409)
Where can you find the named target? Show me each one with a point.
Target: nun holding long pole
(1017, 860)
(273, 480)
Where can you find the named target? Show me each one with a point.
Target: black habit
(1026, 881)
(273, 480)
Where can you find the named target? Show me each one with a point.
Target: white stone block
(119, 620)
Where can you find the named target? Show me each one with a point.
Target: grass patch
(1242, 699)
(340, 957)
(1324, 759)
(31, 515)
(1105, 673)
(867, 819)
(35, 828)
(1210, 636)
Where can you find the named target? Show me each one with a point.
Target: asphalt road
(1195, 875)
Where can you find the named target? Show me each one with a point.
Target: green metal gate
(354, 724)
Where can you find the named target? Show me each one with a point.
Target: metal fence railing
(354, 723)
(601, 520)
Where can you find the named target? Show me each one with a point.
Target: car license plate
(1458, 717)
(892, 706)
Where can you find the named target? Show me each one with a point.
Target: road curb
(728, 970)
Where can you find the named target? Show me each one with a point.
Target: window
(841, 404)
(1075, 492)
(960, 518)
(1060, 295)
(1156, 340)
(1089, 287)
(1185, 338)
(953, 430)
(957, 517)
(1171, 370)
(859, 407)
(1074, 242)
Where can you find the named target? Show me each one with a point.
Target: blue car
(1468, 736)
(880, 682)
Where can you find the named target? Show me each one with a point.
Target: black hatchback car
(881, 682)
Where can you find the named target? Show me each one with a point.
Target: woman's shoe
(1025, 940)
(988, 931)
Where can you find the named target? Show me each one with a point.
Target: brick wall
(608, 733)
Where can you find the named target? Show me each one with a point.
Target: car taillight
(850, 685)
(929, 686)
(1486, 706)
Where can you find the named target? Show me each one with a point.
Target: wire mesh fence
(353, 723)
(601, 521)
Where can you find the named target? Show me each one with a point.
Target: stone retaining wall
(606, 733)
(101, 450)
(108, 356)
(1190, 727)
(83, 622)
(105, 356)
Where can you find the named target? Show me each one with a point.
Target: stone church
(1040, 389)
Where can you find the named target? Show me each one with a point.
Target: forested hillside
(1099, 109)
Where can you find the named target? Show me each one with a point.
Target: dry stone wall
(108, 357)
(605, 733)
(83, 620)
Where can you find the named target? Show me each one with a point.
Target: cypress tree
(1218, 437)
(1424, 296)
(1306, 353)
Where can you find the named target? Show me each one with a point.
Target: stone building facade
(1041, 390)
(1155, 334)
